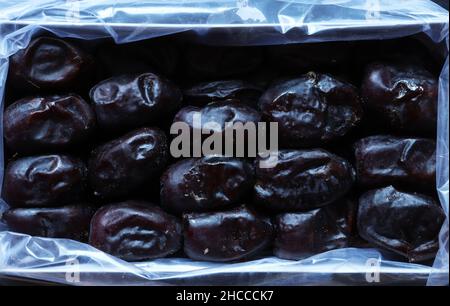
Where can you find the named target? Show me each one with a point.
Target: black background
(443, 3)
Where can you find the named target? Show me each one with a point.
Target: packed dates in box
(92, 160)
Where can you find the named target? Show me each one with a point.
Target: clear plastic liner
(223, 22)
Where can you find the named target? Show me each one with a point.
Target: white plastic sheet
(227, 22)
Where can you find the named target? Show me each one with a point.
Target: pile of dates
(88, 150)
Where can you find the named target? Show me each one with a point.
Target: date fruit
(127, 163)
(49, 63)
(304, 234)
(135, 231)
(302, 180)
(47, 180)
(387, 160)
(207, 92)
(71, 222)
(44, 124)
(404, 97)
(133, 100)
(311, 110)
(220, 114)
(205, 184)
(405, 223)
(226, 235)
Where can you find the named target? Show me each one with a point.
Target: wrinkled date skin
(127, 163)
(49, 63)
(207, 92)
(405, 223)
(43, 181)
(135, 231)
(387, 160)
(205, 184)
(44, 124)
(71, 222)
(302, 180)
(214, 62)
(220, 113)
(304, 234)
(405, 97)
(129, 101)
(311, 110)
(226, 235)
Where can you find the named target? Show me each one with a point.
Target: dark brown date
(205, 184)
(304, 234)
(387, 160)
(214, 62)
(404, 97)
(302, 180)
(220, 114)
(127, 163)
(207, 92)
(71, 222)
(227, 235)
(311, 110)
(44, 124)
(47, 180)
(405, 223)
(49, 63)
(129, 101)
(135, 231)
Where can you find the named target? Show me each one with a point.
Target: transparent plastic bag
(225, 22)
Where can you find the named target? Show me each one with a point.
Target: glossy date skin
(205, 184)
(214, 62)
(302, 180)
(71, 222)
(135, 231)
(49, 63)
(44, 181)
(405, 223)
(404, 97)
(311, 110)
(388, 160)
(127, 163)
(220, 113)
(226, 235)
(304, 234)
(207, 92)
(133, 100)
(47, 124)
